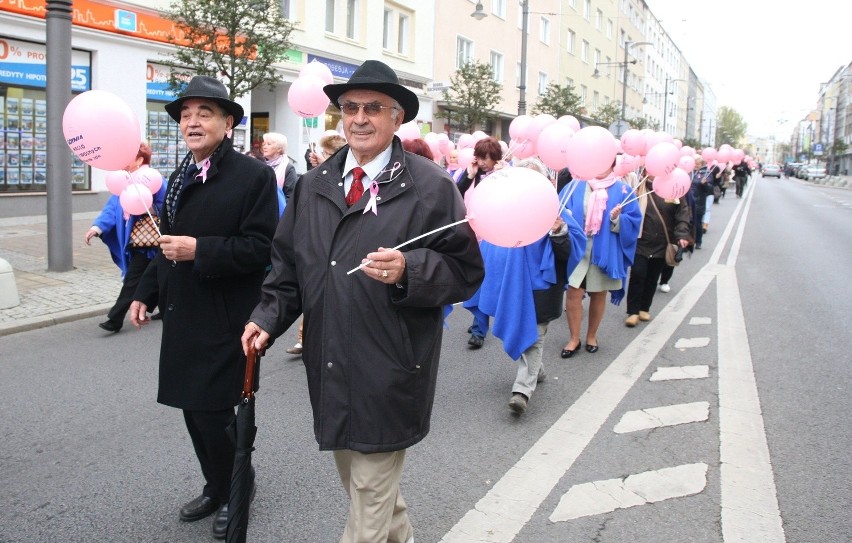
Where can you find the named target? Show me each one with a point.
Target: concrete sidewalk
(47, 297)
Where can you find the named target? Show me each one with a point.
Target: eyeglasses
(371, 109)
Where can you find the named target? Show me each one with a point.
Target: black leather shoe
(568, 353)
(475, 342)
(591, 348)
(110, 326)
(220, 523)
(197, 509)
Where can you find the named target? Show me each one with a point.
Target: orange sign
(101, 17)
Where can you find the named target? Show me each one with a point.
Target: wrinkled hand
(178, 248)
(387, 266)
(472, 170)
(91, 233)
(139, 314)
(616, 211)
(255, 336)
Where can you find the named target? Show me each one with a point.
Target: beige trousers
(377, 512)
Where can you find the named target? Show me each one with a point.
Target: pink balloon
(117, 181)
(708, 154)
(672, 186)
(539, 123)
(630, 163)
(518, 127)
(102, 130)
(725, 153)
(738, 157)
(513, 207)
(633, 142)
(620, 170)
(552, 145)
(408, 131)
(466, 141)
(686, 150)
(136, 199)
(678, 143)
(570, 121)
(662, 159)
(465, 157)
(686, 163)
(478, 135)
(444, 143)
(658, 137)
(306, 97)
(318, 69)
(149, 177)
(522, 149)
(591, 152)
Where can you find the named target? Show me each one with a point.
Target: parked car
(800, 171)
(813, 171)
(771, 170)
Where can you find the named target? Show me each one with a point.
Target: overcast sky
(764, 58)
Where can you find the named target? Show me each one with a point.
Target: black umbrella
(243, 431)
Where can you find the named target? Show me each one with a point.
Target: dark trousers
(666, 274)
(643, 283)
(741, 183)
(480, 324)
(214, 449)
(135, 269)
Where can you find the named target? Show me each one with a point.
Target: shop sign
(24, 64)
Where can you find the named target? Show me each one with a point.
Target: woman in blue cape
(522, 290)
(607, 211)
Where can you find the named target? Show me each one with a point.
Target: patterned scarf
(179, 182)
(597, 206)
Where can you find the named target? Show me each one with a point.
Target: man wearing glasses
(372, 337)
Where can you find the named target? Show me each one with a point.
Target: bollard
(8, 288)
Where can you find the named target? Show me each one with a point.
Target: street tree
(692, 142)
(559, 101)
(730, 127)
(640, 123)
(472, 95)
(608, 113)
(237, 40)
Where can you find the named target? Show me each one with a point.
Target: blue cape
(612, 251)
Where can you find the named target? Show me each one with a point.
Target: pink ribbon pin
(371, 205)
(204, 167)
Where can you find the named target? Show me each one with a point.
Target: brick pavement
(50, 297)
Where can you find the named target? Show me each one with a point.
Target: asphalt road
(88, 455)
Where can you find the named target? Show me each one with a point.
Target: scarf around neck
(594, 216)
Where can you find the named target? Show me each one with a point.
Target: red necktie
(357, 188)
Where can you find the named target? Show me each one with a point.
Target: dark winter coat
(370, 350)
(677, 217)
(206, 302)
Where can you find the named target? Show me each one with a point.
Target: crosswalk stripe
(672, 373)
(608, 495)
(658, 417)
(698, 321)
(692, 342)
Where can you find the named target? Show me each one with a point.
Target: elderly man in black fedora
(372, 337)
(220, 215)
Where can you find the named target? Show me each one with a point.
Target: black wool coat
(206, 302)
(371, 350)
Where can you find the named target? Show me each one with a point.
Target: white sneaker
(665, 287)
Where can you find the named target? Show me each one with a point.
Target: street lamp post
(627, 46)
(479, 14)
(666, 103)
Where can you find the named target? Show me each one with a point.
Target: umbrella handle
(251, 365)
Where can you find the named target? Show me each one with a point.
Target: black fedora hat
(379, 77)
(210, 88)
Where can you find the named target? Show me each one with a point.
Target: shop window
(164, 138)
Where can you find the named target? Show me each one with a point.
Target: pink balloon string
(403, 244)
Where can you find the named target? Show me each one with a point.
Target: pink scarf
(597, 206)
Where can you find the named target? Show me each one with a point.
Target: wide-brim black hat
(210, 88)
(379, 77)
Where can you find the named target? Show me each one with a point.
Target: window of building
(584, 91)
(287, 11)
(464, 51)
(542, 83)
(352, 19)
(498, 8)
(496, 61)
(584, 51)
(329, 15)
(544, 29)
(587, 9)
(597, 57)
(571, 38)
(387, 23)
(403, 35)
(596, 99)
(609, 28)
(598, 20)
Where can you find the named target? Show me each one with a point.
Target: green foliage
(607, 114)
(640, 123)
(558, 101)
(240, 40)
(839, 147)
(694, 143)
(730, 127)
(472, 95)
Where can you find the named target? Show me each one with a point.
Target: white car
(813, 172)
(771, 170)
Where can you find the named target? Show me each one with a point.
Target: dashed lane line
(692, 342)
(659, 417)
(672, 373)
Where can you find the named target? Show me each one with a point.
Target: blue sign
(159, 92)
(338, 69)
(818, 148)
(35, 75)
(125, 20)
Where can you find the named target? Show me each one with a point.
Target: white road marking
(650, 487)
(658, 417)
(692, 342)
(695, 321)
(680, 372)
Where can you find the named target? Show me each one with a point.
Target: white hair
(277, 139)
